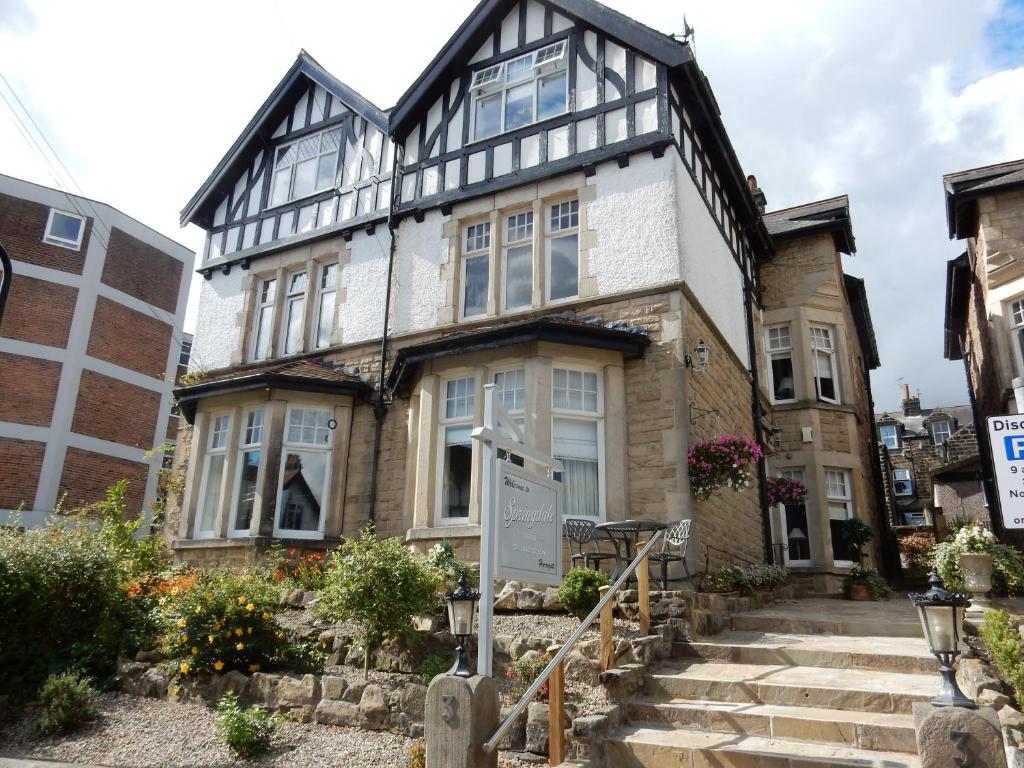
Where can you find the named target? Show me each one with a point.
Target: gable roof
(480, 25)
(858, 297)
(965, 187)
(831, 215)
(305, 66)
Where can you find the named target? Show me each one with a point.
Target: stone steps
(639, 746)
(774, 648)
(847, 689)
(863, 730)
(848, 623)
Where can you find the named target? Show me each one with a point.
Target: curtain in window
(575, 443)
(211, 492)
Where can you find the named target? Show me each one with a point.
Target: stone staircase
(802, 683)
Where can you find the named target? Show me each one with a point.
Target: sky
(876, 100)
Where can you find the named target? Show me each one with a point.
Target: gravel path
(557, 626)
(152, 733)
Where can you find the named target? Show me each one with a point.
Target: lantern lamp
(461, 613)
(698, 360)
(942, 617)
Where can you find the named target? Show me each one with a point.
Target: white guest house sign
(529, 540)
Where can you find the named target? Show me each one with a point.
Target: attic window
(520, 91)
(305, 167)
(64, 229)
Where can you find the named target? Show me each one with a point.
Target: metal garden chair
(676, 537)
(580, 533)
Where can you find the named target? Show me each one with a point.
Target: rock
(972, 679)
(628, 596)
(149, 657)
(354, 692)
(529, 600)
(994, 699)
(330, 712)
(1010, 717)
(291, 597)
(590, 727)
(303, 714)
(412, 700)
(398, 722)
(936, 748)
(234, 681)
(373, 707)
(263, 689)
(332, 687)
(152, 683)
(515, 737)
(551, 601)
(522, 645)
(578, 668)
(503, 644)
(537, 728)
(428, 624)
(204, 687)
(506, 599)
(304, 692)
(415, 730)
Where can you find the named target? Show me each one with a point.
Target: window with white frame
(213, 476)
(264, 331)
(780, 364)
(941, 430)
(577, 411)
(64, 229)
(456, 463)
(475, 269)
(1015, 317)
(840, 509)
(305, 473)
(564, 251)
(305, 167)
(244, 500)
(826, 378)
(186, 352)
(520, 91)
(519, 260)
(294, 313)
(890, 434)
(325, 304)
(796, 525)
(511, 390)
(902, 484)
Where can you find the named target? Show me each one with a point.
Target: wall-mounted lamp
(697, 361)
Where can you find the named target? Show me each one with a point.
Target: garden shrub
(765, 575)
(877, 586)
(72, 595)
(297, 569)
(68, 701)
(578, 592)
(915, 549)
(418, 754)
(856, 533)
(1003, 644)
(523, 672)
(247, 732)
(731, 578)
(217, 620)
(447, 569)
(378, 584)
(433, 665)
(1007, 562)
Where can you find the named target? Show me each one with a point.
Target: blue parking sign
(1014, 445)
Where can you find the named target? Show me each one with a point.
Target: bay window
(823, 351)
(577, 439)
(325, 304)
(305, 167)
(294, 313)
(520, 91)
(563, 251)
(840, 509)
(305, 473)
(458, 408)
(780, 364)
(264, 320)
(210, 487)
(475, 269)
(519, 261)
(248, 468)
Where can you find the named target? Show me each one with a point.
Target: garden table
(624, 536)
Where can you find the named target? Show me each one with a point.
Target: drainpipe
(6, 276)
(382, 398)
(756, 414)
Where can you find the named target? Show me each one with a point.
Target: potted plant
(764, 578)
(865, 583)
(975, 560)
(722, 462)
(729, 581)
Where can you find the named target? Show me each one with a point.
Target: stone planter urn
(977, 570)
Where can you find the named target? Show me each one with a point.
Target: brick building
(89, 343)
(984, 323)
(553, 207)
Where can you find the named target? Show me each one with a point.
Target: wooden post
(607, 624)
(643, 580)
(556, 711)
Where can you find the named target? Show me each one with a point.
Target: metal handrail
(491, 744)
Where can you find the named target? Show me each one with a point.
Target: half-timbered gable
(313, 161)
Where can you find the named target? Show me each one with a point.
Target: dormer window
(520, 91)
(890, 434)
(941, 430)
(305, 167)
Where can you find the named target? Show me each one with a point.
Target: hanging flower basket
(722, 462)
(785, 490)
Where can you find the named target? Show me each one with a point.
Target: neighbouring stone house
(553, 207)
(984, 314)
(89, 345)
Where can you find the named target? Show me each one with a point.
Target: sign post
(520, 515)
(1006, 438)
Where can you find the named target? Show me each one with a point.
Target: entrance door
(795, 526)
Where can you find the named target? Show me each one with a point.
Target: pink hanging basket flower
(785, 490)
(722, 462)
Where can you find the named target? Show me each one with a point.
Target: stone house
(818, 349)
(984, 313)
(554, 208)
(89, 346)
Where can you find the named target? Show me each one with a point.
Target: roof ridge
(843, 196)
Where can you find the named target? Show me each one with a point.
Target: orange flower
(254, 667)
(240, 647)
(218, 665)
(184, 667)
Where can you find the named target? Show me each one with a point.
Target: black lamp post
(461, 612)
(942, 616)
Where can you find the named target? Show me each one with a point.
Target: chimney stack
(759, 199)
(911, 405)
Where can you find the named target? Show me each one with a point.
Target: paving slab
(895, 618)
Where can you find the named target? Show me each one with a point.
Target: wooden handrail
(492, 743)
